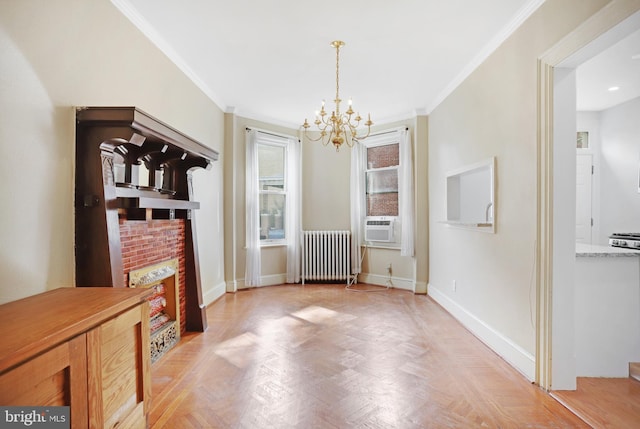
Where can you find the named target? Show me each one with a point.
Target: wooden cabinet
(87, 348)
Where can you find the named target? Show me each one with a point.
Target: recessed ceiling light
(614, 88)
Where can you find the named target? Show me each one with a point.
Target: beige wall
(325, 205)
(273, 258)
(494, 113)
(325, 183)
(58, 54)
(408, 273)
(55, 55)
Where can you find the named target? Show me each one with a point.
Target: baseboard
(373, 279)
(232, 286)
(515, 355)
(421, 288)
(634, 370)
(270, 280)
(378, 280)
(214, 293)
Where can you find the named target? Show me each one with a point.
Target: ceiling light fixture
(614, 88)
(340, 127)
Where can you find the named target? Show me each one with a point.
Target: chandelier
(340, 127)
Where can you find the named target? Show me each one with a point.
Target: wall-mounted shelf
(470, 196)
(137, 198)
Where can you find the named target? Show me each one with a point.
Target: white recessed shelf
(471, 196)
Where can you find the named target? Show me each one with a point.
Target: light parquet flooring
(612, 403)
(318, 356)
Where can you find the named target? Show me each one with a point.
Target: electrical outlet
(454, 285)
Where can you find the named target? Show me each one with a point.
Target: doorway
(556, 255)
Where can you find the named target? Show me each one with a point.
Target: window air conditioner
(378, 229)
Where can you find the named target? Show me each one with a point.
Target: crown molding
(523, 14)
(147, 29)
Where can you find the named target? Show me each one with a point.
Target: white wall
(619, 164)
(65, 53)
(564, 239)
(607, 315)
(494, 113)
(613, 137)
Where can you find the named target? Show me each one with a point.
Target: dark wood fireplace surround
(131, 136)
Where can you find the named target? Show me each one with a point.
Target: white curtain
(252, 267)
(406, 194)
(357, 205)
(293, 211)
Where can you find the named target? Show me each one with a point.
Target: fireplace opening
(164, 304)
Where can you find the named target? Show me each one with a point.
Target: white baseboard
(270, 280)
(515, 355)
(379, 280)
(420, 288)
(214, 293)
(232, 286)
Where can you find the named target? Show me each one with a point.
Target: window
(381, 178)
(272, 188)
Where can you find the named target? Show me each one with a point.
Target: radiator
(326, 255)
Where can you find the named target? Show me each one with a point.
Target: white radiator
(326, 255)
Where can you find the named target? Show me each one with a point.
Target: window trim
(386, 140)
(264, 139)
(383, 139)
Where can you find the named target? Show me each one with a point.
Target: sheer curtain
(357, 205)
(406, 195)
(252, 266)
(293, 211)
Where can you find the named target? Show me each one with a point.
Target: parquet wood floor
(318, 356)
(604, 402)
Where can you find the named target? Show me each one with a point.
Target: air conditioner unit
(378, 229)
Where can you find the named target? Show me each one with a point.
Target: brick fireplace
(149, 243)
(126, 222)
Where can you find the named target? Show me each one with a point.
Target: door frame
(605, 19)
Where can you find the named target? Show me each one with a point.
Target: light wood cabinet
(87, 348)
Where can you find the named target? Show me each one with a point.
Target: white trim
(273, 136)
(147, 29)
(381, 280)
(515, 355)
(232, 286)
(214, 293)
(523, 14)
(547, 327)
(420, 288)
(270, 280)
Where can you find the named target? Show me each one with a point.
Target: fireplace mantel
(114, 145)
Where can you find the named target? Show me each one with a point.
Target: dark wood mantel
(106, 136)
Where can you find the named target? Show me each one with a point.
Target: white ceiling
(617, 66)
(271, 60)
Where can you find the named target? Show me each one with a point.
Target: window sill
(393, 246)
(279, 243)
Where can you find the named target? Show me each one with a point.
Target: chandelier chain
(337, 100)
